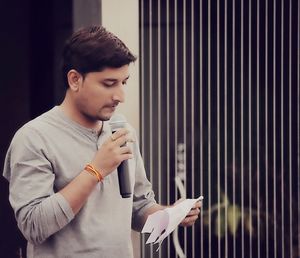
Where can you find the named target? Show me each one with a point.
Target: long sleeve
(45, 155)
(143, 196)
(39, 211)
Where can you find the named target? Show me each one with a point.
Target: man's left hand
(192, 216)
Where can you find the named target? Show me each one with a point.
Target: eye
(124, 82)
(108, 84)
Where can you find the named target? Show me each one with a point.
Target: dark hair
(93, 49)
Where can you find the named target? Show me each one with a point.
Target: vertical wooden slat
(142, 71)
(290, 127)
(184, 108)
(159, 102)
(192, 20)
(257, 128)
(274, 130)
(201, 118)
(226, 126)
(142, 92)
(176, 93)
(250, 122)
(159, 107)
(233, 122)
(209, 125)
(242, 128)
(150, 90)
(281, 129)
(218, 128)
(298, 121)
(266, 132)
(168, 113)
(150, 97)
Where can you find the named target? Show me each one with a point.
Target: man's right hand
(112, 152)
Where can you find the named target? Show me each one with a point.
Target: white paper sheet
(161, 223)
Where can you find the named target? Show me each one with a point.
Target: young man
(62, 165)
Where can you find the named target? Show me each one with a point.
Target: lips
(112, 105)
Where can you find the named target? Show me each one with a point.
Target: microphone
(117, 122)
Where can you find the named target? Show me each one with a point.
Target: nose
(119, 94)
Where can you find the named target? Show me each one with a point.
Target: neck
(70, 110)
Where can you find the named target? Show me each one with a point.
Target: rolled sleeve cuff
(64, 206)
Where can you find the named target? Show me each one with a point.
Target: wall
(121, 18)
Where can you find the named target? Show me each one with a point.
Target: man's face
(101, 92)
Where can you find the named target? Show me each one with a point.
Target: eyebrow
(114, 80)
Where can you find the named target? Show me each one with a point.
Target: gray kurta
(44, 156)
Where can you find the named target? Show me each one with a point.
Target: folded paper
(161, 223)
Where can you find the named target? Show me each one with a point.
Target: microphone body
(118, 122)
(124, 179)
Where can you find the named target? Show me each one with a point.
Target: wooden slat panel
(220, 108)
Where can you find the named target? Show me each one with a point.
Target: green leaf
(233, 218)
(224, 199)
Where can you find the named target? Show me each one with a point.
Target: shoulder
(33, 130)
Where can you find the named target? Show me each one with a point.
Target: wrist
(95, 172)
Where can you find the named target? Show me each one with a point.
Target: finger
(193, 218)
(197, 205)
(122, 140)
(193, 212)
(126, 156)
(116, 135)
(125, 150)
(188, 221)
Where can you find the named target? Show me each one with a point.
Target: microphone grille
(117, 121)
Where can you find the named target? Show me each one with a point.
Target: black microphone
(117, 122)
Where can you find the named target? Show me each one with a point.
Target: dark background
(32, 37)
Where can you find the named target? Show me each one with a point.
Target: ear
(74, 80)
